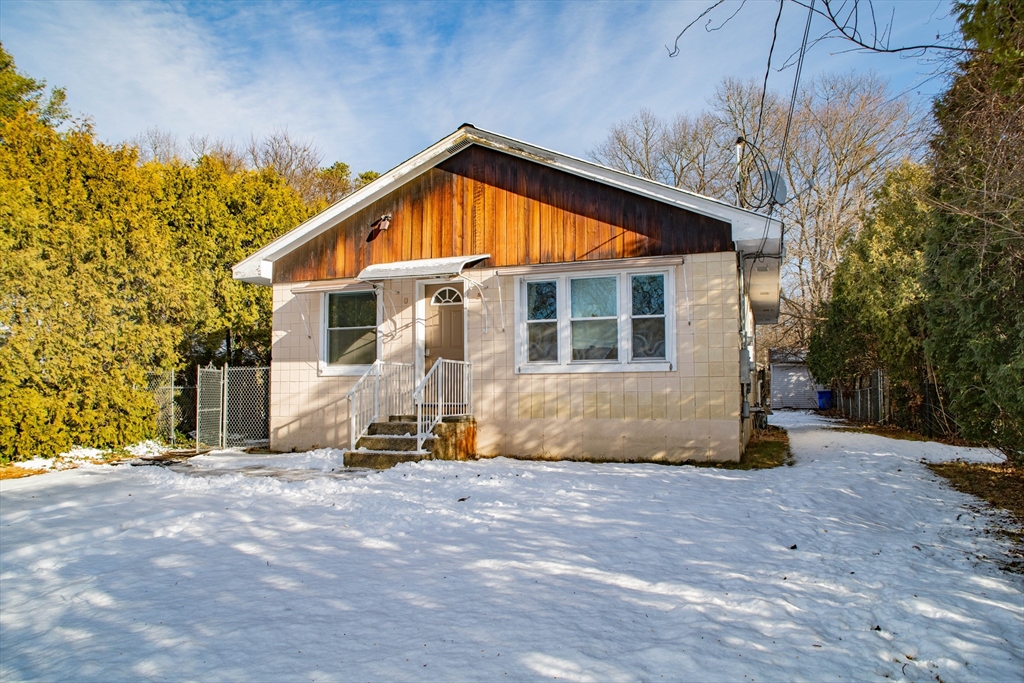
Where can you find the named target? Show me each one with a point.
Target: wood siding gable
(482, 201)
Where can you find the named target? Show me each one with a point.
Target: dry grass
(14, 472)
(768, 448)
(10, 471)
(892, 432)
(1002, 486)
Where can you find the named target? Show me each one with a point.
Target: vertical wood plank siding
(520, 212)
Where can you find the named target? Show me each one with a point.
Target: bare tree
(847, 132)
(297, 161)
(686, 152)
(695, 156)
(635, 146)
(157, 145)
(855, 23)
(223, 151)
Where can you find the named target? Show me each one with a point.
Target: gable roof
(750, 231)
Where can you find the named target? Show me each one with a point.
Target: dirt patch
(14, 472)
(1000, 485)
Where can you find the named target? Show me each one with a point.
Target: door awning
(427, 267)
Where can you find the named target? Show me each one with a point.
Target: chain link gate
(246, 406)
(232, 407)
(209, 407)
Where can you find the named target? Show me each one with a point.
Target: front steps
(387, 444)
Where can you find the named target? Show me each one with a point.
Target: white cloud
(373, 84)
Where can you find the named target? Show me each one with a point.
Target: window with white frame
(594, 318)
(647, 319)
(616, 321)
(542, 321)
(351, 329)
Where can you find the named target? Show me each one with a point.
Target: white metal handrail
(384, 389)
(445, 391)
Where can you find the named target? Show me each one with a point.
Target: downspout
(501, 302)
(744, 344)
(304, 314)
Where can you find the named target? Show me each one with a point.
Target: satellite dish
(776, 185)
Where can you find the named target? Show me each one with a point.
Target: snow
(927, 451)
(74, 458)
(146, 449)
(79, 456)
(320, 460)
(507, 569)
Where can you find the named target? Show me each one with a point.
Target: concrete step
(383, 459)
(392, 427)
(392, 442)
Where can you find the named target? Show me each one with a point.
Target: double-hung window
(596, 322)
(350, 339)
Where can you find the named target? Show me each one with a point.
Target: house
(791, 381)
(580, 312)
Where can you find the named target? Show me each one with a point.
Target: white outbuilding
(791, 381)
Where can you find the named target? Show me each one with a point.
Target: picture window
(606, 322)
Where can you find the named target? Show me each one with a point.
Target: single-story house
(791, 381)
(581, 312)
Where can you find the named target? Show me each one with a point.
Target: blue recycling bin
(824, 400)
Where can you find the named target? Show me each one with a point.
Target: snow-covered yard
(856, 563)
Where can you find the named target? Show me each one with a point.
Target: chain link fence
(176, 408)
(866, 401)
(223, 408)
(875, 399)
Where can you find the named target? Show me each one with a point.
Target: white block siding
(690, 413)
(793, 387)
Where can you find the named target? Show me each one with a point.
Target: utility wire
(789, 125)
(767, 70)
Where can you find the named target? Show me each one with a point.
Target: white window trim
(324, 369)
(565, 364)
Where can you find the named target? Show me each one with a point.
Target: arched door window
(446, 296)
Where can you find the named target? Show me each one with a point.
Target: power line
(785, 137)
(767, 71)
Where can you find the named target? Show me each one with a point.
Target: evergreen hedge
(114, 269)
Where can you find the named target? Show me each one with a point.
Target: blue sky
(374, 83)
